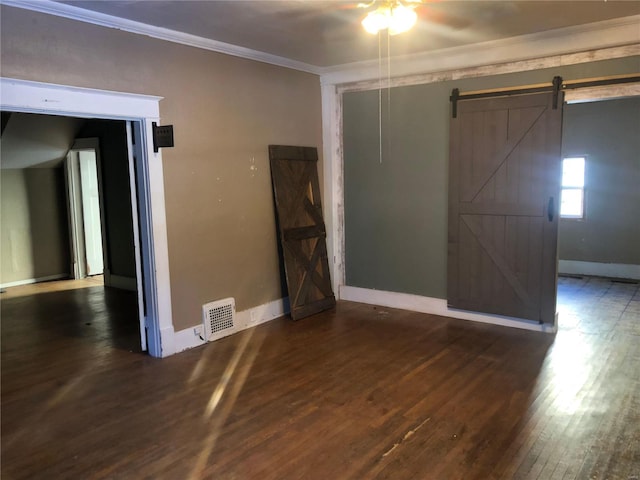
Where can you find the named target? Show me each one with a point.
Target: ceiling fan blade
(441, 17)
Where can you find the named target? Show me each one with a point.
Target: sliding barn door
(294, 172)
(504, 186)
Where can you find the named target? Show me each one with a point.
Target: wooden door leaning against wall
(296, 189)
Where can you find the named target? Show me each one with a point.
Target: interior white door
(91, 212)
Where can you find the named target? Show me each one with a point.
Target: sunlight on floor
(588, 307)
(53, 286)
(570, 369)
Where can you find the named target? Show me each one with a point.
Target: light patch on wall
(252, 166)
(19, 240)
(15, 228)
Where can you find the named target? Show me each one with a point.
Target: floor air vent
(218, 318)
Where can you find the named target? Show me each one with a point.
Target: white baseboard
(185, 339)
(433, 306)
(121, 282)
(192, 337)
(27, 281)
(168, 342)
(596, 269)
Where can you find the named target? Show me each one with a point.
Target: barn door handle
(550, 209)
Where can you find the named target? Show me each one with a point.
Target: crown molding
(101, 19)
(592, 36)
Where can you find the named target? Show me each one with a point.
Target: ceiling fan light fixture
(402, 19)
(391, 15)
(376, 21)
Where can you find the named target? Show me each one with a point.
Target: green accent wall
(396, 210)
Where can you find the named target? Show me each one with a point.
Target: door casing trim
(37, 97)
(332, 89)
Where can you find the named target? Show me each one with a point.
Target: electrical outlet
(254, 317)
(197, 331)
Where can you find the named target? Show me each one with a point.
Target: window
(572, 196)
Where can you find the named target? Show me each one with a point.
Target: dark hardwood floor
(355, 393)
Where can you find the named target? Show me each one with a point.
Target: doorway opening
(145, 167)
(97, 215)
(599, 261)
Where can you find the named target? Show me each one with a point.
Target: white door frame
(35, 97)
(427, 69)
(134, 152)
(335, 84)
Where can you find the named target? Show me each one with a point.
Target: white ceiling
(328, 33)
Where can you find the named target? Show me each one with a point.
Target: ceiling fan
(398, 16)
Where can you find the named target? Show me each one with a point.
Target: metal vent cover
(218, 317)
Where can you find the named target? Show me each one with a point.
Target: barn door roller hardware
(455, 95)
(162, 136)
(556, 86)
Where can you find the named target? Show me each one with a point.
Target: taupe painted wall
(114, 164)
(396, 211)
(34, 239)
(608, 133)
(225, 110)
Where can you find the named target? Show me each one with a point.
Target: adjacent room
(67, 219)
(282, 240)
(599, 227)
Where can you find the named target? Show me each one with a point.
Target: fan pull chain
(388, 94)
(380, 95)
